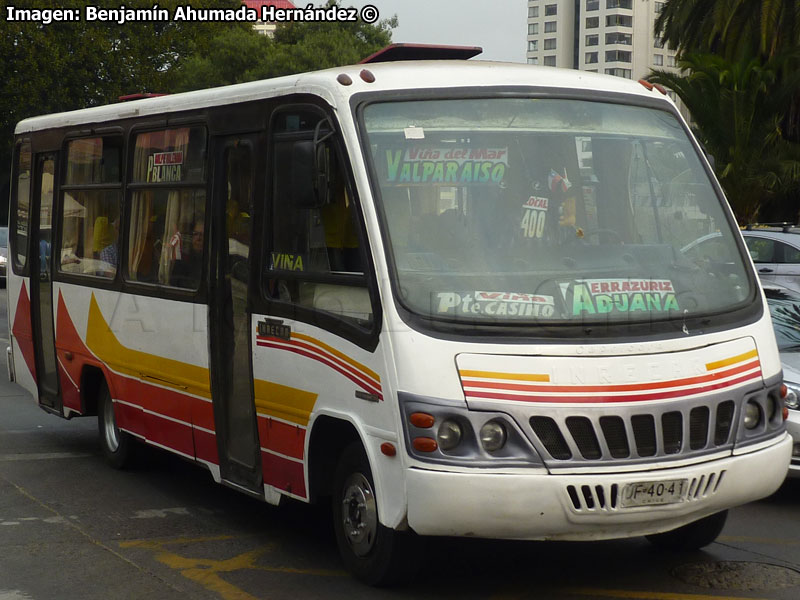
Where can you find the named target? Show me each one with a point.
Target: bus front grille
(634, 433)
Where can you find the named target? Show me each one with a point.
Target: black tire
(118, 446)
(692, 536)
(375, 554)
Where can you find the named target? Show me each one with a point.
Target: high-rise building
(614, 37)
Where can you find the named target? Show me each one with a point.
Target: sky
(498, 26)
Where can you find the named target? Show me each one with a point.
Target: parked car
(784, 306)
(776, 254)
(3, 255)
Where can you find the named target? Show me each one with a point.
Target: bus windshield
(522, 211)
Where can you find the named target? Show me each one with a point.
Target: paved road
(73, 528)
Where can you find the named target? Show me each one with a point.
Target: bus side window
(166, 240)
(91, 208)
(315, 261)
(20, 208)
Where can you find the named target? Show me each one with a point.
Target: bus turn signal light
(423, 444)
(422, 420)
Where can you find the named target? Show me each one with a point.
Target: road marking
(598, 593)
(160, 513)
(757, 540)
(57, 520)
(42, 456)
(206, 571)
(14, 595)
(92, 540)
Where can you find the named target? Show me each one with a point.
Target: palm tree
(739, 30)
(731, 28)
(737, 108)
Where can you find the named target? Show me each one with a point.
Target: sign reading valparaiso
(446, 165)
(599, 296)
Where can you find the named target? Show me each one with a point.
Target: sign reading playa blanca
(593, 296)
(446, 165)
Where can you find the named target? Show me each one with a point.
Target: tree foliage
(295, 48)
(751, 115)
(737, 108)
(731, 28)
(70, 65)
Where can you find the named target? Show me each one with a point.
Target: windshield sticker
(447, 165)
(494, 304)
(597, 296)
(164, 167)
(286, 262)
(414, 133)
(534, 217)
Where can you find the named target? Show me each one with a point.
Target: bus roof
(390, 76)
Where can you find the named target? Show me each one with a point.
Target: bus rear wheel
(693, 536)
(117, 445)
(373, 553)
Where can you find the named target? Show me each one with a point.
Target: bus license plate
(645, 493)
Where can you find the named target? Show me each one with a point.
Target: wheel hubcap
(110, 427)
(359, 514)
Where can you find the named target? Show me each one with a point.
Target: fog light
(772, 409)
(752, 414)
(449, 435)
(493, 436)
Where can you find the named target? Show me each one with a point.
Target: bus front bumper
(556, 507)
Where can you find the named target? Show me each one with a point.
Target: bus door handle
(765, 270)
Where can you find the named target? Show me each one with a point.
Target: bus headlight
(752, 415)
(493, 436)
(449, 435)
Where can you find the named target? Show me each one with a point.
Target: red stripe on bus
(205, 446)
(284, 474)
(282, 438)
(162, 401)
(333, 366)
(70, 394)
(611, 399)
(326, 354)
(627, 387)
(22, 329)
(170, 434)
(130, 419)
(155, 428)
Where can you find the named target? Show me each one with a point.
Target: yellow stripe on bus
(338, 354)
(512, 376)
(283, 402)
(166, 371)
(732, 360)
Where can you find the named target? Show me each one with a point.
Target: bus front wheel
(117, 445)
(693, 536)
(375, 554)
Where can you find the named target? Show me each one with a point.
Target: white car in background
(776, 253)
(784, 307)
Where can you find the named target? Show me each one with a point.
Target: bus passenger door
(229, 316)
(42, 285)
